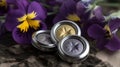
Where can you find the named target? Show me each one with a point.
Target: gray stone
(63, 64)
(33, 62)
(16, 49)
(103, 64)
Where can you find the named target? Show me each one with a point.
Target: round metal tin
(71, 24)
(75, 52)
(41, 42)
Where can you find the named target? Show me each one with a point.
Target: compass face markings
(44, 38)
(72, 47)
(64, 30)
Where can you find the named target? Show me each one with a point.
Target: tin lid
(63, 29)
(73, 47)
(42, 39)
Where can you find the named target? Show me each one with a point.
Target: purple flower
(106, 36)
(70, 11)
(26, 19)
(78, 12)
(57, 2)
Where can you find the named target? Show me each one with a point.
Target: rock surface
(14, 55)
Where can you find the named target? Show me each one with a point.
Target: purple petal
(68, 7)
(43, 26)
(10, 1)
(54, 2)
(114, 43)
(114, 24)
(11, 19)
(97, 12)
(25, 38)
(96, 31)
(101, 43)
(80, 8)
(37, 7)
(22, 38)
(59, 17)
(22, 4)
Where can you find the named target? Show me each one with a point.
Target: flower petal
(101, 43)
(25, 38)
(68, 7)
(97, 12)
(22, 4)
(114, 43)
(10, 1)
(96, 31)
(11, 19)
(43, 26)
(114, 24)
(22, 38)
(53, 2)
(80, 8)
(37, 7)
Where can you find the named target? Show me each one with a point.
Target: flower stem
(110, 4)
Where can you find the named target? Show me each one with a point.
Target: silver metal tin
(75, 57)
(64, 22)
(41, 45)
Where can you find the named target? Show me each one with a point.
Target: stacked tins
(66, 36)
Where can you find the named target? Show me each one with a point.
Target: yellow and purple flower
(78, 12)
(26, 19)
(68, 11)
(106, 36)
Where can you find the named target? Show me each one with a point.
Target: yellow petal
(107, 28)
(23, 26)
(23, 18)
(3, 3)
(31, 15)
(34, 23)
(73, 17)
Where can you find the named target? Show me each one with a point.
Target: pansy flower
(79, 12)
(28, 18)
(106, 36)
(68, 11)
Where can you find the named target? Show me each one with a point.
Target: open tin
(73, 48)
(63, 29)
(42, 40)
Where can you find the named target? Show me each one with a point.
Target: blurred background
(110, 6)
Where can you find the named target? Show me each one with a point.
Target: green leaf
(115, 14)
(92, 6)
